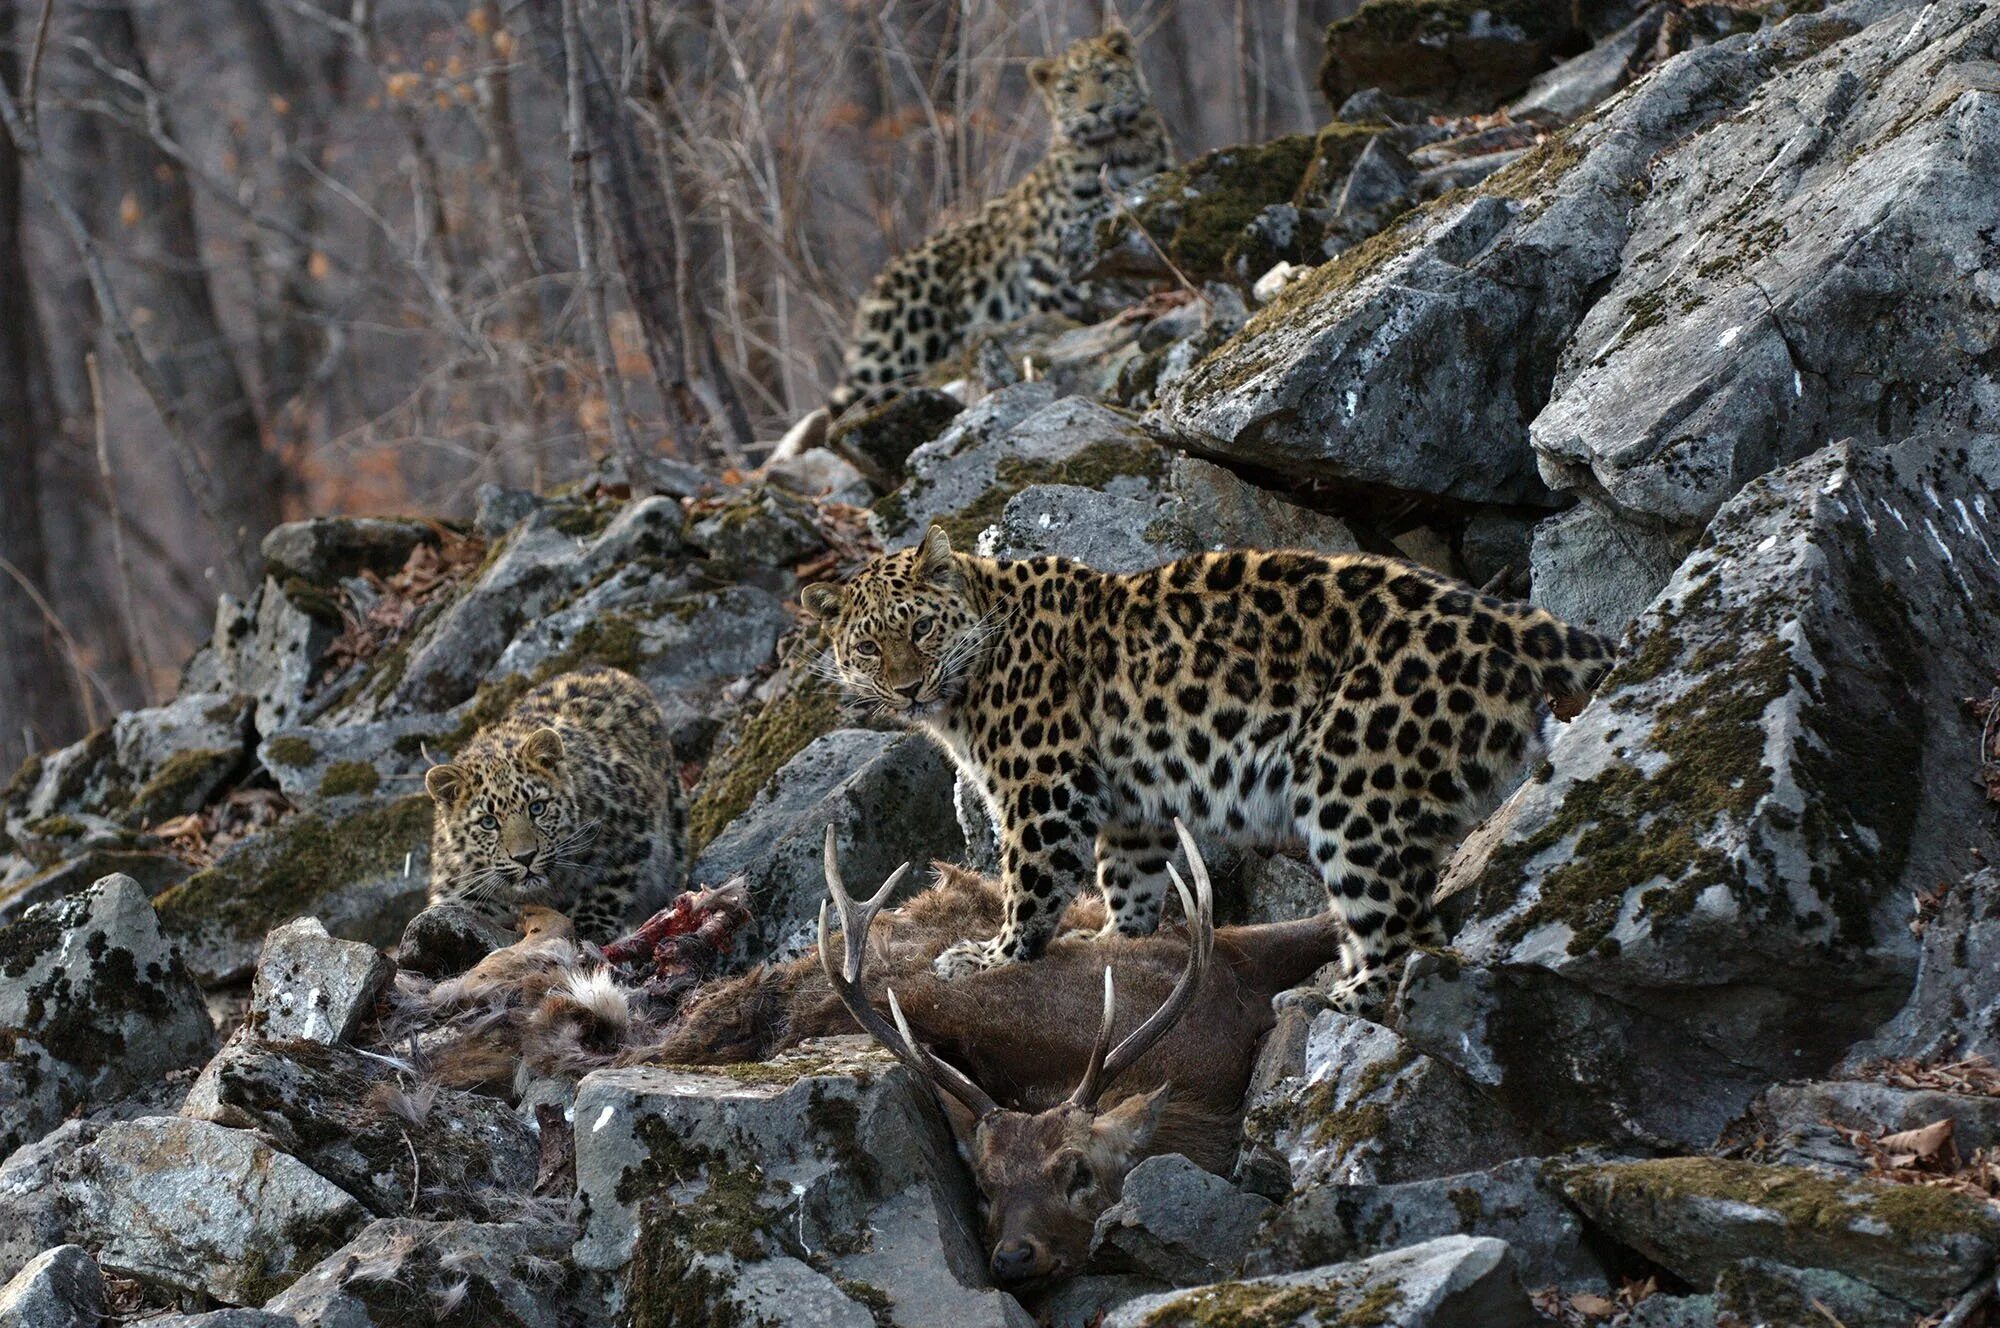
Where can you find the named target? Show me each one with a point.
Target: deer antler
(1199, 909)
(855, 920)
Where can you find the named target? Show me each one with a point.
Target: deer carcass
(1050, 1117)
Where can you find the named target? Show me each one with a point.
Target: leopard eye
(867, 649)
(489, 822)
(537, 807)
(925, 625)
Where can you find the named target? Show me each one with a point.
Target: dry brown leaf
(1924, 1143)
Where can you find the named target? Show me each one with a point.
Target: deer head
(1043, 1176)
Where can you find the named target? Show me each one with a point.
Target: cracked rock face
(1452, 1282)
(96, 1003)
(203, 1208)
(1707, 887)
(405, 1271)
(1821, 265)
(818, 1188)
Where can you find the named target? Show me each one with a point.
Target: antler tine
(1086, 1089)
(1200, 910)
(942, 1074)
(855, 921)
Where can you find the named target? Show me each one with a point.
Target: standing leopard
(571, 800)
(1009, 260)
(1359, 703)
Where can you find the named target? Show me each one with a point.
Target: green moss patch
(1197, 213)
(182, 783)
(670, 1280)
(290, 750)
(1806, 1200)
(1268, 1305)
(281, 874)
(345, 779)
(1630, 828)
(774, 735)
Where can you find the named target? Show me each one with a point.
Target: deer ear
(1042, 73)
(934, 556)
(964, 1127)
(1128, 1127)
(543, 749)
(446, 783)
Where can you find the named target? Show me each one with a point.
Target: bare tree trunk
(287, 329)
(38, 705)
(641, 229)
(162, 273)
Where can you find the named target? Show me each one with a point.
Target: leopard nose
(526, 858)
(1095, 108)
(909, 690)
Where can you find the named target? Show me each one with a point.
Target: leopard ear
(446, 784)
(823, 601)
(1042, 73)
(1117, 41)
(934, 556)
(543, 749)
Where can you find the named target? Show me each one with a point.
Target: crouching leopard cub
(1356, 702)
(571, 800)
(1008, 261)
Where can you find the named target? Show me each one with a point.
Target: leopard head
(506, 818)
(1094, 90)
(905, 631)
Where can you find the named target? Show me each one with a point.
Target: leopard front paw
(968, 957)
(1310, 999)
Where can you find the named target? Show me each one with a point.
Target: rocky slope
(1694, 342)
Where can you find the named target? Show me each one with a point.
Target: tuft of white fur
(598, 994)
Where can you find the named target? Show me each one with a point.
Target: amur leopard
(1009, 260)
(1359, 703)
(571, 800)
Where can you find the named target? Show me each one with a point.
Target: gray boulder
(203, 1208)
(1452, 1282)
(888, 795)
(1707, 887)
(446, 939)
(338, 768)
(144, 767)
(1591, 567)
(325, 549)
(96, 1004)
(1801, 1122)
(403, 1271)
(1696, 1216)
(1760, 1291)
(397, 1146)
(363, 873)
(311, 986)
(1417, 360)
(1513, 1202)
(1955, 1007)
(1337, 1100)
(1178, 1223)
(1018, 437)
(1805, 269)
(821, 1188)
(60, 1288)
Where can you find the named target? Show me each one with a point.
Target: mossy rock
(1199, 214)
(1698, 1215)
(1458, 55)
(787, 723)
(183, 784)
(365, 875)
(879, 441)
